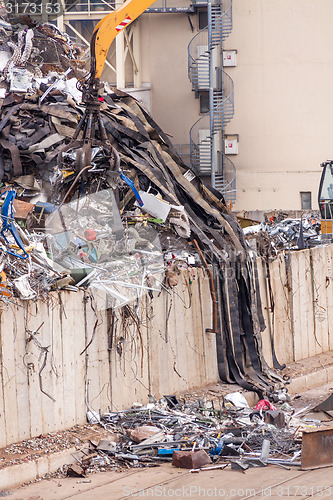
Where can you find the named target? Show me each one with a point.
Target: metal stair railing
(200, 147)
(200, 59)
(225, 179)
(223, 113)
(221, 22)
(223, 103)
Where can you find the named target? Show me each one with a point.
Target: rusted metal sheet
(317, 448)
(22, 209)
(190, 459)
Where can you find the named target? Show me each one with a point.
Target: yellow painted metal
(326, 226)
(108, 28)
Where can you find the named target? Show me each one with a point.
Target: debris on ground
(202, 421)
(33, 448)
(317, 448)
(200, 434)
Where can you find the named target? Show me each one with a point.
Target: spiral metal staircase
(206, 73)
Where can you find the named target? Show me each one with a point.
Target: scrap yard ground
(166, 481)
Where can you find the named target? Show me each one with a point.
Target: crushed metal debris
(199, 434)
(124, 224)
(195, 433)
(282, 233)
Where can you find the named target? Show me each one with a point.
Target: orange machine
(325, 199)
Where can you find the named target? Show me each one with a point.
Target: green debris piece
(156, 221)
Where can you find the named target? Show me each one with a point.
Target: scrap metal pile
(115, 223)
(203, 435)
(285, 233)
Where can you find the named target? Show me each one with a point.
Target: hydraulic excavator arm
(109, 27)
(90, 131)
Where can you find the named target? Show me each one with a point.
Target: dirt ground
(308, 365)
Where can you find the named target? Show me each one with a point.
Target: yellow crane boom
(109, 27)
(90, 131)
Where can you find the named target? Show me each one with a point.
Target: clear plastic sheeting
(120, 264)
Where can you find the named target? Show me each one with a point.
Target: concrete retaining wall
(300, 317)
(168, 352)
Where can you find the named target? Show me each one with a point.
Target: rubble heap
(149, 188)
(283, 233)
(202, 435)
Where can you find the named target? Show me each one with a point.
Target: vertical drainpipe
(211, 93)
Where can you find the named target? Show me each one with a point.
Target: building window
(306, 200)
(204, 102)
(203, 19)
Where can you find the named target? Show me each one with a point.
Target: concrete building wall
(283, 96)
(163, 40)
(299, 318)
(94, 357)
(283, 99)
(282, 85)
(164, 64)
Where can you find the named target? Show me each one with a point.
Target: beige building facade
(283, 101)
